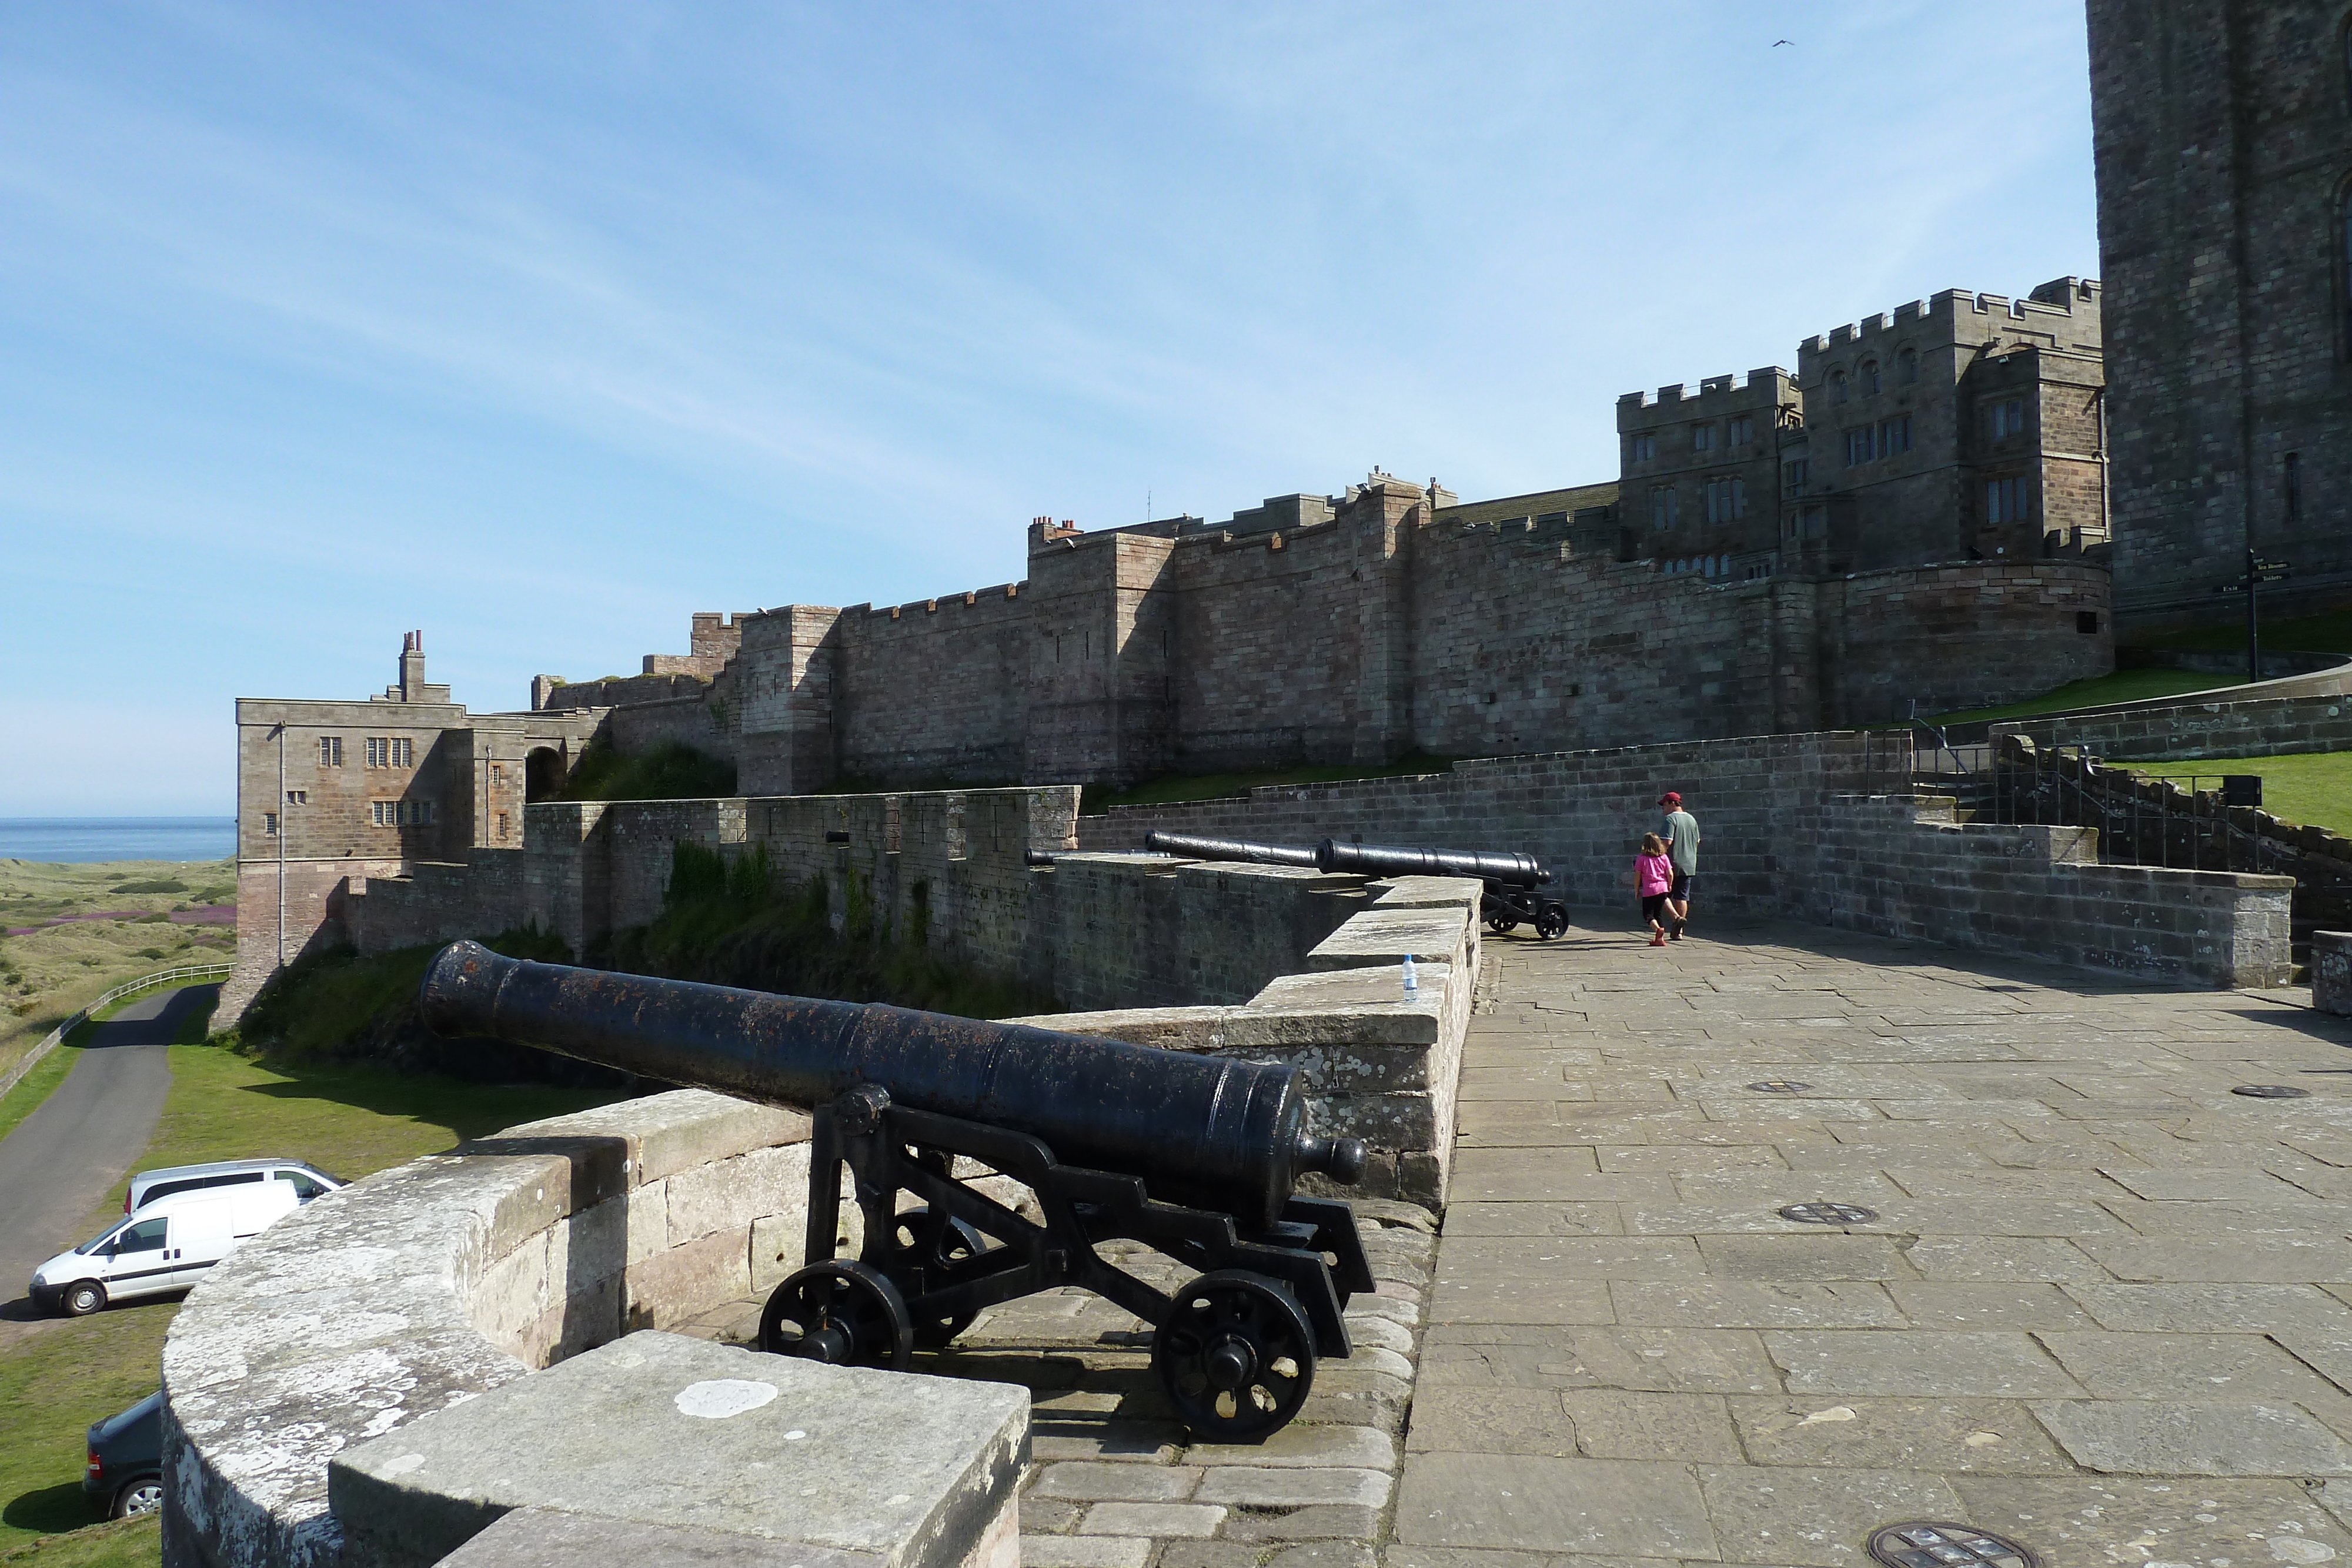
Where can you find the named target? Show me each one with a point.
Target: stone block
(1273, 1486)
(2331, 972)
(672, 1433)
(1379, 937)
(685, 1280)
(1151, 1519)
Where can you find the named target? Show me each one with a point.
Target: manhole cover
(1934, 1544)
(1779, 1086)
(1828, 1213)
(2272, 1091)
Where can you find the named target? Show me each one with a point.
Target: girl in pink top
(1653, 874)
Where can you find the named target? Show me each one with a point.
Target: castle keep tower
(2222, 132)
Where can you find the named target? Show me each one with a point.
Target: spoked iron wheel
(1551, 923)
(1501, 925)
(839, 1313)
(936, 1242)
(1235, 1357)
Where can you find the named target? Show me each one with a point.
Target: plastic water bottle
(1411, 981)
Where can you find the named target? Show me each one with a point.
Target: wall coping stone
(903, 1471)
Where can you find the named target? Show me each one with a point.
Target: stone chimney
(412, 667)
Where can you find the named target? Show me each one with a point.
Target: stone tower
(2222, 131)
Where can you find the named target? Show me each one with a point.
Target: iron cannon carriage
(1196, 1158)
(1507, 883)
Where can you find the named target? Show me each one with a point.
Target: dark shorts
(1681, 889)
(1653, 908)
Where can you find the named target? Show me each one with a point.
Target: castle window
(1661, 507)
(1894, 437)
(1869, 376)
(1726, 500)
(497, 773)
(1860, 446)
(331, 751)
(1907, 366)
(1837, 386)
(1795, 470)
(502, 825)
(298, 797)
(1642, 448)
(1742, 431)
(2005, 418)
(2007, 500)
(268, 824)
(1702, 437)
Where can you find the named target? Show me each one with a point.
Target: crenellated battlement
(2065, 308)
(1762, 387)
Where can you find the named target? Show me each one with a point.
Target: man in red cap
(1681, 833)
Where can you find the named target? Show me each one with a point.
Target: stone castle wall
(2222, 145)
(1128, 654)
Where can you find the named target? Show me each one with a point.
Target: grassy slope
(46, 974)
(351, 1121)
(2314, 788)
(2123, 686)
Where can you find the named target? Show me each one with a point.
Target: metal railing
(185, 975)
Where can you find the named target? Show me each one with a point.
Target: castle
(1922, 516)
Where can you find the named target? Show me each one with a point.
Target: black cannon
(1508, 881)
(1200, 849)
(1195, 1156)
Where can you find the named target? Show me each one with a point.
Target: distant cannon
(1507, 897)
(1195, 1156)
(1229, 850)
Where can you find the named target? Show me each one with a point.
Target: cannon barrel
(1229, 849)
(1381, 860)
(1203, 1130)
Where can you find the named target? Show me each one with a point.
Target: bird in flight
(1778, 43)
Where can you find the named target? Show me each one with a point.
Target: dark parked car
(125, 1472)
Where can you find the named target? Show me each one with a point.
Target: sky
(539, 328)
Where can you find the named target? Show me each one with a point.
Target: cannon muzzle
(1380, 860)
(1199, 849)
(1200, 1129)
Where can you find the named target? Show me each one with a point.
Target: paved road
(62, 1160)
(2099, 1303)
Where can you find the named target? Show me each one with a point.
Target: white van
(166, 1246)
(148, 1185)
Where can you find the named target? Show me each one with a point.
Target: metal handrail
(55, 1037)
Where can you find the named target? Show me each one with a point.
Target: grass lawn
(2312, 788)
(65, 1373)
(2123, 686)
(1174, 790)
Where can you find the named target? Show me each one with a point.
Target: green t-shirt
(1681, 842)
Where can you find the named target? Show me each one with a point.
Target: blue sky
(541, 327)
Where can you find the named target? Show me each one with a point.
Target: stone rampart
(446, 1280)
(1819, 828)
(2191, 729)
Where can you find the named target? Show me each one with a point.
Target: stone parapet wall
(1812, 828)
(1380, 1065)
(2300, 713)
(1905, 867)
(445, 1279)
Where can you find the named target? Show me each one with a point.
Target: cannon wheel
(1551, 923)
(929, 1245)
(1501, 925)
(1235, 1357)
(839, 1313)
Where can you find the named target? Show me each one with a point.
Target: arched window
(1907, 366)
(1837, 386)
(1869, 377)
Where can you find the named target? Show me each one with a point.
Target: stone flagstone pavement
(2100, 1307)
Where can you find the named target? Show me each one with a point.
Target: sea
(117, 838)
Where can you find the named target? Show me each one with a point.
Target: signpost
(2258, 571)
